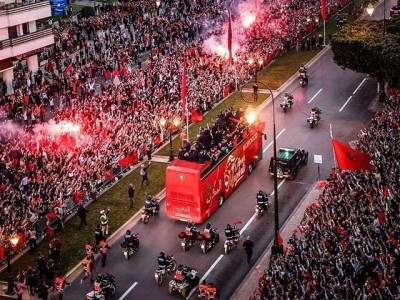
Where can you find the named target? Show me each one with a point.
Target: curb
(267, 252)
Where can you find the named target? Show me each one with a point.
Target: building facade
(22, 38)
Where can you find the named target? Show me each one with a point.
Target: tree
(363, 47)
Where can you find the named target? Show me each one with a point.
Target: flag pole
(187, 121)
(324, 34)
(333, 149)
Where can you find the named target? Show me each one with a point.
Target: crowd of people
(100, 123)
(214, 141)
(348, 243)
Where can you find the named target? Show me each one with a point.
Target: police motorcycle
(303, 76)
(151, 209)
(262, 204)
(287, 102)
(208, 239)
(314, 117)
(108, 288)
(189, 236)
(232, 235)
(168, 267)
(188, 278)
(130, 244)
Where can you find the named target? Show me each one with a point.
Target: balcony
(26, 43)
(19, 12)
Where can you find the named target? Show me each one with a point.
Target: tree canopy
(363, 47)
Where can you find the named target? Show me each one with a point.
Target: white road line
(253, 217)
(128, 291)
(205, 275)
(362, 82)
(270, 144)
(314, 96)
(345, 103)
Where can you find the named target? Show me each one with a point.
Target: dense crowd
(41, 168)
(348, 243)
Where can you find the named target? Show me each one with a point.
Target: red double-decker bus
(194, 191)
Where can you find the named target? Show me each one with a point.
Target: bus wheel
(250, 168)
(221, 200)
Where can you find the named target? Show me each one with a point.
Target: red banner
(323, 11)
(184, 91)
(196, 117)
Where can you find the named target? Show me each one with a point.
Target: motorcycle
(314, 118)
(95, 296)
(185, 286)
(149, 212)
(231, 243)
(286, 104)
(108, 288)
(188, 241)
(129, 250)
(303, 79)
(160, 272)
(260, 209)
(207, 244)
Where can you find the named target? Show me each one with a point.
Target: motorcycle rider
(262, 199)
(151, 206)
(303, 73)
(162, 261)
(180, 274)
(231, 232)
(209, 233)
(191, 230)
(97, 285)
(129, 240)
(314, 113)
(288, 98)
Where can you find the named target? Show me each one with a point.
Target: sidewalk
(250, 283)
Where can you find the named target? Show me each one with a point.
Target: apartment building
(22, 38)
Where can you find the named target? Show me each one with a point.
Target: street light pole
(168, 123)
(14, 239)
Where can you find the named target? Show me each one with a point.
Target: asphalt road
(329, 88)
(343, 96)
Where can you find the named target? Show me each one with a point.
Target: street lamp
(250, 115)
(158, 2)
(14, 239)
(168, 123)
(276, 249)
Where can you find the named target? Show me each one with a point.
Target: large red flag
(183, 92)
(230, 39)
(196, 117)
(349, 158)
(323, 11)
(280, 239)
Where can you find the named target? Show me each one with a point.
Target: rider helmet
(180, 267)
(286, 95)
(102, 212)
(208, 226)
(128, 232)
(99, 277)
(149, 197)
(260, 192)
(162, 253)
(228, 226)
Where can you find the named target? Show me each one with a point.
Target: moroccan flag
(157, 141)
(184, 91)
(196, 117)
(386, 197)
(230, 39)
(323, 11)
(280, 239)
(349, 158)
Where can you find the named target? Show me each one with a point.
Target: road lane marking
(270, 144)
(314, 96)
(345, 103)
(254, 215)
(205, 275)
(362, 82)
(128, 291)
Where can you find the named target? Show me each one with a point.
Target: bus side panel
(182, 196)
